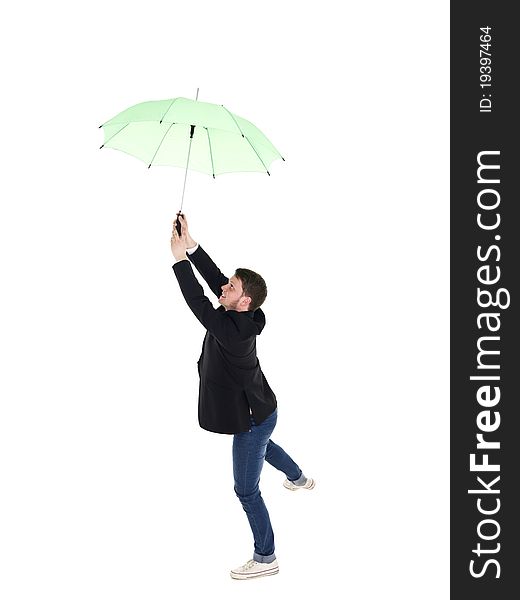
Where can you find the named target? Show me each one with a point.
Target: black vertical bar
(485, 254)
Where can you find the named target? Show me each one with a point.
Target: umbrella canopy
(166, 132)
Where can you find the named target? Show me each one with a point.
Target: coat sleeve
(214, 320)
(209, 270)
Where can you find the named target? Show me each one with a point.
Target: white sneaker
(308, 485)
(255, 569)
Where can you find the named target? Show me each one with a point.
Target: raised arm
(205, 266)
(214, 320)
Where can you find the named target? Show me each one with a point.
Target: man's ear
(247, 300)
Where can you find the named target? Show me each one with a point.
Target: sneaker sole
(290, 486)
(254, 575)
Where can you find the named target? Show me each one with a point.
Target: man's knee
(247, 495)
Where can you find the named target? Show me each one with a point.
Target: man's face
(231, 297)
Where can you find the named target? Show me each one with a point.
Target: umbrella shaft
(187, 163)
(192, 131)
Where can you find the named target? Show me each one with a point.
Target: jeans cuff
(300, 481)
(264, 559)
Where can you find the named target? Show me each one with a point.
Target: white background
(109, 487)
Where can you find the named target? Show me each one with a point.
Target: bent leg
(279, 459)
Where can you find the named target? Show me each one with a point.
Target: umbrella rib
(210, 153)
(249, 142)
(234, 120)
(245, 136)
(111, 138)
(167, 110)
(153, 158)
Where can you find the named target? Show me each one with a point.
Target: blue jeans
(249, 451)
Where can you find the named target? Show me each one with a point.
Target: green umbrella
(187, 133)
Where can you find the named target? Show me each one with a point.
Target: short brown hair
(253, 285)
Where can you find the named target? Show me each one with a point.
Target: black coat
(231, 380)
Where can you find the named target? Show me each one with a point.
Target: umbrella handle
(178, 224)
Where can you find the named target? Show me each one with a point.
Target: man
(234, 396)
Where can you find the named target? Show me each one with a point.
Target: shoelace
(249, 564)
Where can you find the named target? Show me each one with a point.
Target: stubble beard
(232, 306)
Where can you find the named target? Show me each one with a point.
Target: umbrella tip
(149, 165)
(101, 146)
(100, 126)
(282, 158)
(213, 175)
(269, 173)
